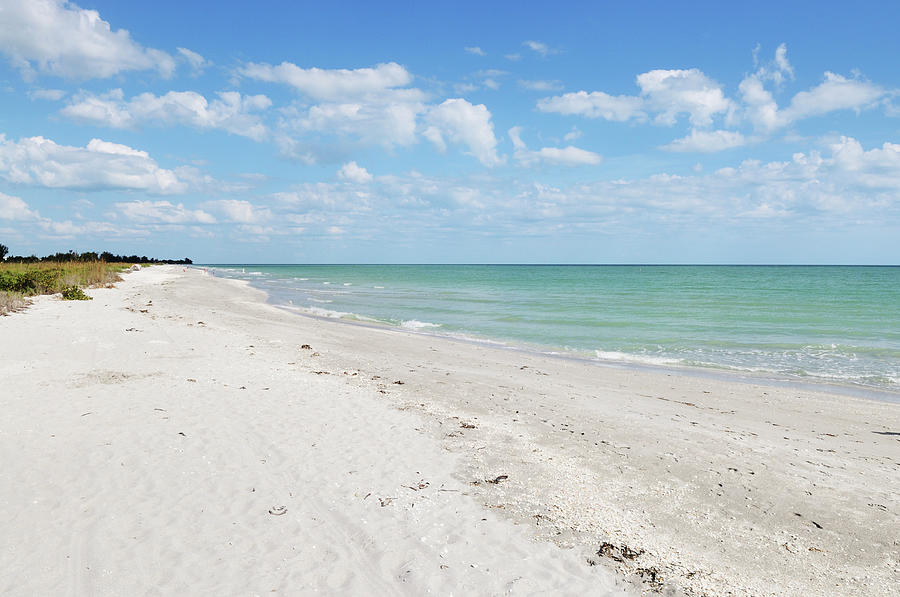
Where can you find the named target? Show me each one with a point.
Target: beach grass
(20, 280)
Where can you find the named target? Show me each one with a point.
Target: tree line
(87, 256)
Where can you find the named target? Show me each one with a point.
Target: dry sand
(151, 437)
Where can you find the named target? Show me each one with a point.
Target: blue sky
(465, 132)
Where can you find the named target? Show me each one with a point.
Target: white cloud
(569, 156)
(387, 122)
(875, 168)
(354, 173)
(163, 212)
(596, 104)
(539, 85)
(667, 93)
(706, 141)
(373, 106)
(331, 84)
(197, 62)
(846, 182)
(231, 112)
(674, 92)
(59, 38)
(475, 50)
(466, 124)
(240, 211)
(575, 133)
(98, 165)
(366, 106)
(539, 47)
(13, 208)
(760, 106)
(47, 94)
(835, 93)
(564, 156)
(783, 68)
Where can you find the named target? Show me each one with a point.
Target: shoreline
(203, 391)
(760, 377)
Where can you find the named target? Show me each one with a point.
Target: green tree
(3, 251)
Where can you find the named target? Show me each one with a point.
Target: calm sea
(831, 324)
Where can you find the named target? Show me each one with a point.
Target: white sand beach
(175, 437)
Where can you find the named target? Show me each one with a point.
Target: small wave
(255, 274)
(321, 300)
(414, 324)
(348, 283)
(477, 340)
(379, 287)
(326, 283)
(320, 312)
(606, 355)
(303, 279)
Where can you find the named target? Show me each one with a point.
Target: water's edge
(765, 378)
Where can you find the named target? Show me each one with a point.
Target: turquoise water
(821, 324)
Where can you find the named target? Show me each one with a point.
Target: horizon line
(636, 264)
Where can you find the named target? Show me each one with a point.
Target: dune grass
(20, 280)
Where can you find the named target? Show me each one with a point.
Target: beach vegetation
(21, 280)
(10, 302)
(65, 273)
(74, 293)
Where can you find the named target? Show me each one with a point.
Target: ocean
(819, 324)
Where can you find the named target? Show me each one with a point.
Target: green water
(832, 324)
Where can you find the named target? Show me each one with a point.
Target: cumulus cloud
(13, 208)
(595, 104)
(384, 121)
(240, 211)
(98, 165)
(564, 156)
(372, 106)
(665, 93)
(163, 212)
(843, 181)
(231, 112)
(706, 141)
(671, 93)
(475, 50)
(368, 106)
(354, 173)
(835, 93)
(330, 84)
(460, 122)
(59, 38)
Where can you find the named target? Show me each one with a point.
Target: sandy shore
(173, 436)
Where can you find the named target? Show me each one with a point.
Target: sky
(463, 132)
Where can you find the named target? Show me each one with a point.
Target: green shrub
(74, 293)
